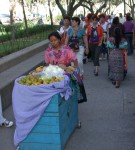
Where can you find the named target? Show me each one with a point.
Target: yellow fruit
(38, 69)
(53, 78)
(72, 68)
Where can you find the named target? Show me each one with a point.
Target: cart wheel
(79, 125)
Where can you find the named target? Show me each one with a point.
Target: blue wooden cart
(55, 126)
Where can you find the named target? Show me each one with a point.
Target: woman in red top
(95, 37)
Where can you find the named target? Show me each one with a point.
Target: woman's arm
(75, 63)
(101, 37)
(67, 40)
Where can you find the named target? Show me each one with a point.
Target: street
(108, 117)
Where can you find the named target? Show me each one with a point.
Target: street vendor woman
(57, 53)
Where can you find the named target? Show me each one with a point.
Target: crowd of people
(99, 37)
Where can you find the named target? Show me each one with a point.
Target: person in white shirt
(63, 30)
(121, 18)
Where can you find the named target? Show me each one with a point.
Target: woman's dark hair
(118, 36)
(116, 20)
(67, 17)
(128, 17)
(102, 16)
(89, 16)
(77, 19)
(56, 34)
(95, 17)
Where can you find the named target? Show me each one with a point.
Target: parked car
(5, 18)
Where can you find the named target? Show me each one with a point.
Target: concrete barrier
(18, 64)
(19, 56)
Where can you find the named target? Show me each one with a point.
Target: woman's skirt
(116, 65)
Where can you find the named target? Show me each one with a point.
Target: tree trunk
(84, 11)
(51, 15)
(70, 7)
(12, 25)
(12, 20)
(102, 6)
(124, 7)
(25, 20)
(134, 12)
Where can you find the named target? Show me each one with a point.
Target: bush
(20, 31)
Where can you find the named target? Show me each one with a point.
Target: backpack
(94, 38)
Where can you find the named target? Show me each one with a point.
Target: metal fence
(16, 38)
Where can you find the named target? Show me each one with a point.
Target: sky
(4, 10)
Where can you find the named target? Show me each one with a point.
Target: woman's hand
(86, 51)
(100, 44)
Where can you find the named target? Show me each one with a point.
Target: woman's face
(95, 21)
(55, 42)
(74, 23)
(66, 22)
(102, 19)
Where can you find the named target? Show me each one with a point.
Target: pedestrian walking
(128, 32)
(63, 30)
(77, 40)
(116, 23)
(117, 46)
(95, 37)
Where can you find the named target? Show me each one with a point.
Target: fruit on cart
(37, 80)
(52, 80)
(71, 68)
(67, 69)
(31, 80)
(39, 69)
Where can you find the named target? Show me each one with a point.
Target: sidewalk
(108, 118)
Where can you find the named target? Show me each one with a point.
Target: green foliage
(20, 31)
(22, 39)
(58, 17)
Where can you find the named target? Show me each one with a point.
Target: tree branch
(102, 6)
(90, 8)
(61, 7)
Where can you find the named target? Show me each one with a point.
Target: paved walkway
(108, 118)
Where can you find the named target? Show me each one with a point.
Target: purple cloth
(29, 102)
(128, 26)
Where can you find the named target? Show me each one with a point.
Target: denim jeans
(2, 119)
(129, 38)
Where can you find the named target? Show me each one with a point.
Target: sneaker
(95, 73)
(7, 123)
